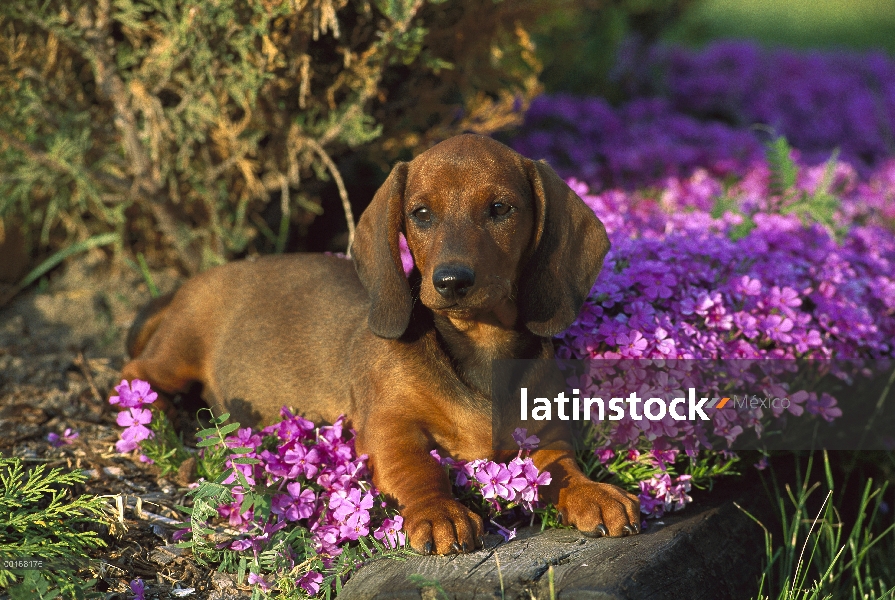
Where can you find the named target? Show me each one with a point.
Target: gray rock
(712, 551)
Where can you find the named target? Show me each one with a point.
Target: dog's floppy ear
(377, 257)
(570, 244)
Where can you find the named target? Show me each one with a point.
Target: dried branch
(343, 193)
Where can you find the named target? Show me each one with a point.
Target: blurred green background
(578, 46)
(797, 23)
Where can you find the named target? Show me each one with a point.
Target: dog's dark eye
(422, 214)
(499, 209)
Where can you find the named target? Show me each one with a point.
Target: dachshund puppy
(505, 254)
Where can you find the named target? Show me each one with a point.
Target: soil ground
(61, 350)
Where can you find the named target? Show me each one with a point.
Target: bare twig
(343, 193)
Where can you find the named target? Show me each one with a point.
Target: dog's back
(259, 334)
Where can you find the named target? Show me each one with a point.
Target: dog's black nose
(454, 281)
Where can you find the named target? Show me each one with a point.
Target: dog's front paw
(600, 509)
(443, 526)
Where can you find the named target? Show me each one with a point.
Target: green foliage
(818, 206)
(166, 448)
(864, 24)
(39, 520)
(626, 471)
(185, 128)
(579, 45)
(821, 556)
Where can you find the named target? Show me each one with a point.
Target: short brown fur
(408, 362)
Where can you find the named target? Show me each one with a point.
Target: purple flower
(135, 421)
(663, 457)
(138, 587)
(390, 532)
(234, 515)
(255, 579)
(604, 455)
(240, 545)
(777, 328)
(631, 345)
(244, 438)
(134, 394)
(68, 437)
(297, 504)
(310, 582)
(824, 406)
(494, 478)
(748, 286)
(525, 441)
(303, 461)
(406, 258)
(507, 534)
(466, 472)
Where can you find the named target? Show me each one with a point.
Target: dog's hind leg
(163, 348)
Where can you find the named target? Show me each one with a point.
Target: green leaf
(784, 170)
(92, 242)
(229, 428)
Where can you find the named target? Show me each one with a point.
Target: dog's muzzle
(453, 281)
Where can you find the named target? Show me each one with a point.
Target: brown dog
(505, 255)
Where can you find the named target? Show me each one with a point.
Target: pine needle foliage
(41, 524)
(190, 127)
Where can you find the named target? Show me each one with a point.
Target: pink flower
(255, 579)
(135, 421)
(297, 504)
(825, 406)
(494, 478)
(604, 455)
(525, 441)
(68, 437)
(390, 532)
(134, 394)
(631, 345)
(310, 582)
(138, 587)
(244, 438)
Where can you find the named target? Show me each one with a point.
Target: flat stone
(710, 550)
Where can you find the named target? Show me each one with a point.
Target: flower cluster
(638, 143)
(819, 100)
(678, 285)
(315, 480)
(662, 493)
(133, 396)
(503, 487)
(319, 482)
(711, 108)
(721, 253)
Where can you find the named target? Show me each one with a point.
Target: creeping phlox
(697, 108)
(500, 488)
(132, 396)
(677, 286)
(314, 479)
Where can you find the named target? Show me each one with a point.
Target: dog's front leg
(404, 470)
(595, 509)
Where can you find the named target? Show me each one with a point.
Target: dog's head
(487, 228)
